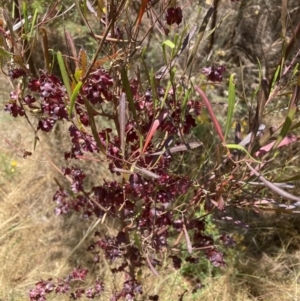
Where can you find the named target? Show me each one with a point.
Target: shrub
(170, 177)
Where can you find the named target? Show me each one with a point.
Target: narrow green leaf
(295, 126)
(169, 44)
(73, 98)
(90, 112)
(153, 85)
(231, 103)
(127, 88)
(260, 79)
(164, 54)
(181, 45)
(182, 42)
(64, 73)
(275, 77)
(241, 148)
(295, 70)
(36, 138)
(122, 120)
(289, 118)
(286, 126)
(184, 103)
(146, 70)
(169, 85)
(33, 22)
(25, 16)
(176, 44)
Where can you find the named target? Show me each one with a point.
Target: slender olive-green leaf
(169, 44)
(183, 43)
(73, 97)
(286, 126)
(127, 88)
(13, 10)
(231, 103)
(153, 85)
(35, 142)
(184, 103)
(169, 85)
(122, 120)
(295, 125)
(241, 148)
(276, 74)
(289, 118)
(295, 70)
(33, 22)
(64, 74)
(90, 112)
(176, 44)
(260, 78)
(164, 54)
(146, 70)
(25, 16)
(180, 47)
